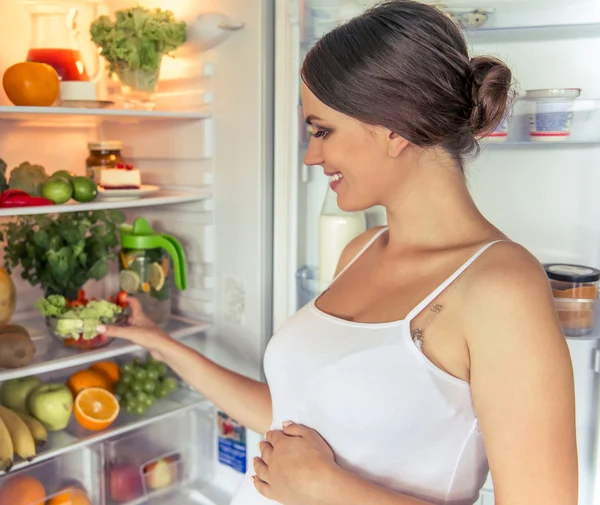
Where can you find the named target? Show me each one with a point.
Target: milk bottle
(336, 229)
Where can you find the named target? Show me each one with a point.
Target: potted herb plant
(62, 252)
(134, 44)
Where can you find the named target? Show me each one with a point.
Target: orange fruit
(88, 379)
(70, 496)
(109, 368)
(22, 490)
(31, 84)
(95, 409)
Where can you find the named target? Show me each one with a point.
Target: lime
(153, 373)
(121, 388)
(150, 401)
(63, 174)
(157, 276)
(130, 407)
(84, 189)
(129, 281)
(140, 410)
(137, 387)
(57, 190)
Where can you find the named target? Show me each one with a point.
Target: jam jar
(103, 154)
(575, 290)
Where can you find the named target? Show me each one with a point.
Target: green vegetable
(53, 306)
(28, 178)
(3, 181)
(62, 252)
(138, 37)
(77, 322)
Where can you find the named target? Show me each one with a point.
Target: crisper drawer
(158, 458)
(69, 478)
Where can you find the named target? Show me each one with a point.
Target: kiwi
(16, 347)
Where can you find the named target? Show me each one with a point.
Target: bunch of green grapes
(142, 383)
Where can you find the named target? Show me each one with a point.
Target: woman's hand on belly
(294, 465)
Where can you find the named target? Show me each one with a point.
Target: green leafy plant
(138, 37)
(62, 252)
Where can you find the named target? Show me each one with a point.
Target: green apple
(52, 405)
(14, 392)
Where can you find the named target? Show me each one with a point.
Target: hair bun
(490, 91)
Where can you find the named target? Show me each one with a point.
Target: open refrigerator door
(201, 142)
(534, 179)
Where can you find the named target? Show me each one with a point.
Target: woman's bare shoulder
(355, 246)
(508, 284)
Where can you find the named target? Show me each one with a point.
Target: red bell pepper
(17, 198)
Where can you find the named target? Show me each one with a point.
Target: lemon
(129, 281)
(157, 276)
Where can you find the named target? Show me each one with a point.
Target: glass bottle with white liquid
(336, 229)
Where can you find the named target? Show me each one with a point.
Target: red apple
(125, 483)
(161, 473)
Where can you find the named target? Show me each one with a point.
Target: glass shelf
(155, 199)
(51, 355)
(77, 117)
(74, 436)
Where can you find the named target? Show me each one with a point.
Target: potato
(16, 347)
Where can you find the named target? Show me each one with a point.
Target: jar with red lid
(575, 290)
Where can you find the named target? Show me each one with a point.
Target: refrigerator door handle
(596, 360)
(232, 26)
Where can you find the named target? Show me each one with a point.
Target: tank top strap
(421, 306)
(360, 253)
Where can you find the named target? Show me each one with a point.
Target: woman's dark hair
(405, 66)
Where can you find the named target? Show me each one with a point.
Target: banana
(6, 448)
(37, 429)
(22, 439)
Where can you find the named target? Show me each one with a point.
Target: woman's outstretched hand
(140, 330)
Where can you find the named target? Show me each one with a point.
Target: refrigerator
(225, 144)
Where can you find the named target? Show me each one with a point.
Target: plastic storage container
(160, 458)
(575, 290)
(66, 479)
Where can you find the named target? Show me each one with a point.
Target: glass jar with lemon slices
(147, 262)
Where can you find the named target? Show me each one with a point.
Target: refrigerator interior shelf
(74, 436)
(519, 33)
(50, 355)
(81, 117)
(166, 197)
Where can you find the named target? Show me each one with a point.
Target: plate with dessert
(124, 182)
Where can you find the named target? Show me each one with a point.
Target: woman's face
(362, 161)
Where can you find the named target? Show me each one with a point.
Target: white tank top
(388, 413)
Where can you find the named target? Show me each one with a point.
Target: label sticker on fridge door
(232, 443)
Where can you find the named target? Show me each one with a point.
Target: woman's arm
(522, 383)
(245, 400)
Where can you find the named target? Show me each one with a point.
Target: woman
(437, 348)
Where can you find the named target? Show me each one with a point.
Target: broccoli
(28, 178)
(53, 306)
(3, 182)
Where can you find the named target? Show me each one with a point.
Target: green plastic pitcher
(145, 270)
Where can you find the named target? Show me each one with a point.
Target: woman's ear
(396, 144)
